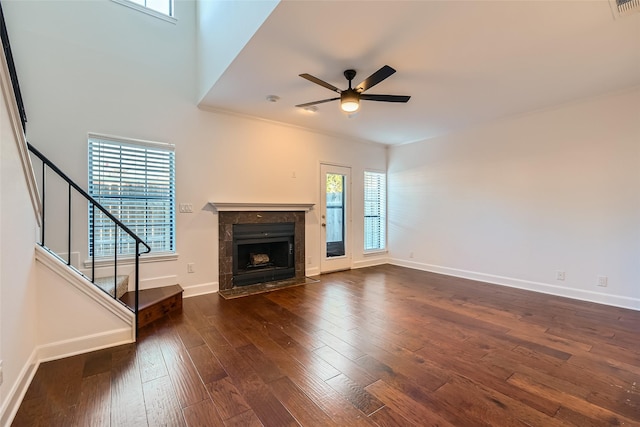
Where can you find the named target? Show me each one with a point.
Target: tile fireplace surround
(264, 214)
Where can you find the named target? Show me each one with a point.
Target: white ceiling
(462, 62)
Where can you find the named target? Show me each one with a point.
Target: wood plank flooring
(381, 346)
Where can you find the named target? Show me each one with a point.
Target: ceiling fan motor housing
(350, 98)
(350, 75)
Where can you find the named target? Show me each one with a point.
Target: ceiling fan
(350, 98)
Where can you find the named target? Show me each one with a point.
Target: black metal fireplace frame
(264, 234)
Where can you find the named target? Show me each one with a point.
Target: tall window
(135, 182)
(375, 210)
(162, 9)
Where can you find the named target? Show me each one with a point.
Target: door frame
(342, 262)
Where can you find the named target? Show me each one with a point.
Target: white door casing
(335, 218)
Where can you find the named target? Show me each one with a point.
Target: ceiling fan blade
(319, 82)
(375, 78)
(309, 104)
(385, 98)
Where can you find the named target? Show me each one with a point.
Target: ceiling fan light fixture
(349, 101)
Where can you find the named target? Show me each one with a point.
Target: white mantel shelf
(245, 207)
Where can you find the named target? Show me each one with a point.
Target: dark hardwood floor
(384, 346)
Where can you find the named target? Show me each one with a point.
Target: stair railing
(6, 46)
(93, 205)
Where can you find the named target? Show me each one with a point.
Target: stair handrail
(95, 204)
(6, 47)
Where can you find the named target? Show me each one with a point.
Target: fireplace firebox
(263, 252)
(248, 260)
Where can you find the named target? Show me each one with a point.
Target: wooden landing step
(155, 303)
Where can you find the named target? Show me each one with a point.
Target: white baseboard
(370, 262)
(11, 405)
(545, 288)
(204, 288)
(313, 271)
(74, 346)
(154, 282)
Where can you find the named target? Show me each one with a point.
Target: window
(375, 211)
(135, 181)
(624, 7)
(162, 9)
(335, 212)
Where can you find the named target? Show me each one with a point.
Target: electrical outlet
(410, 254)
(191, 267)
(185, 208)
(559, 275)
(309, 260)
(603, 281)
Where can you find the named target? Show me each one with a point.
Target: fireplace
(263, 252)
(260, 247)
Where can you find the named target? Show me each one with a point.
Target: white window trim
(146, 10)
(132, 141)
(375, 252)
(384, 250)
(144, 258)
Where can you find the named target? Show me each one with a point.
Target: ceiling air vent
(624, 7)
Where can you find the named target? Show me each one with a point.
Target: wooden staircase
(153, 304)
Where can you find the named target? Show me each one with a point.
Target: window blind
(136, 183)
(624, 7)
(375, 212)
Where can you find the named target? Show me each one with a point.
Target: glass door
(335, 218)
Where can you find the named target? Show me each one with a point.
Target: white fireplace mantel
(278, 207)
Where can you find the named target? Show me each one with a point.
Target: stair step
(155, 303)
(121, 284)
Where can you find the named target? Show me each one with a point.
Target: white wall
(224, 28)
(73, 316)
(17, 276)
(516, 201)
(18, 309)
(101, 67)
(18, 312)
